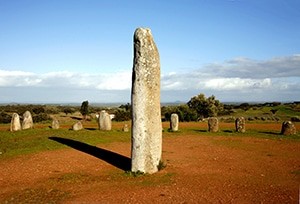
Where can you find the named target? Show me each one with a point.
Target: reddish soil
(200, 169)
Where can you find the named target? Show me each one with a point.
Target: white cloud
(115, 81)
(288, 66)
(17, 78)
(239, 77)
(237, 83)
(106, 81)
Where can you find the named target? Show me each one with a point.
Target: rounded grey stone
(27, 121)
(15, 124)
(213, 124)
(174, 122)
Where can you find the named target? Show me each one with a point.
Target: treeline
(42, 112)
(196, 109)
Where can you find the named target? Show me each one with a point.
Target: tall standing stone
(288, 128)
(15, 123)
(240, 124)
(104, 121)
(146, 131)
(27, 121)
(213, 124)
(174, 122)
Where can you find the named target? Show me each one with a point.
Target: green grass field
(35, 140)
(38, 139)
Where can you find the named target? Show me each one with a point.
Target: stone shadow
(229, 131)
(270, 133)
(198, 130)
(115, 159)
(91, 128)
(76, 118)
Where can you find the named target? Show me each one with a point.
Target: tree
(245, 106)
(84, 109)
(126, 106)
(205, 107)
(123, 113)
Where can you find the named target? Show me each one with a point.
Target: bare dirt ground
(200, 169)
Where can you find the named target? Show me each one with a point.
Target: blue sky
(70, 51)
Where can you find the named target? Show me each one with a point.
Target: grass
(284, 112)
(35, 140)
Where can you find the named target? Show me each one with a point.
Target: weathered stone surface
(125, 128)
(240, 124)
(104, 121)
(15, 123)
(27, 121)
(174, 122)
(55, 124)
(77, 126)
(288, 128)
(213, 124)
(146, 131)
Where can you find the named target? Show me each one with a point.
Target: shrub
(245, 106)
(185, 114)
(122, 115)
(251, 118)
(38, 110)
(52, 110)
(40, 117)
(5, 118)
(68, 110)
(295, 119)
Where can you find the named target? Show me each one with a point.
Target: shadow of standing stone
(112, 158)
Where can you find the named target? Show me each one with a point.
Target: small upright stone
(240, 124)
(146, 134)
(55, 124)
(104, 121)
(125, 128)
(27, 121)
(213, 124)
(77, 126)
(174, 122)
(15, 123)
(288, 128)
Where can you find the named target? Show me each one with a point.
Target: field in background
(34, 140)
